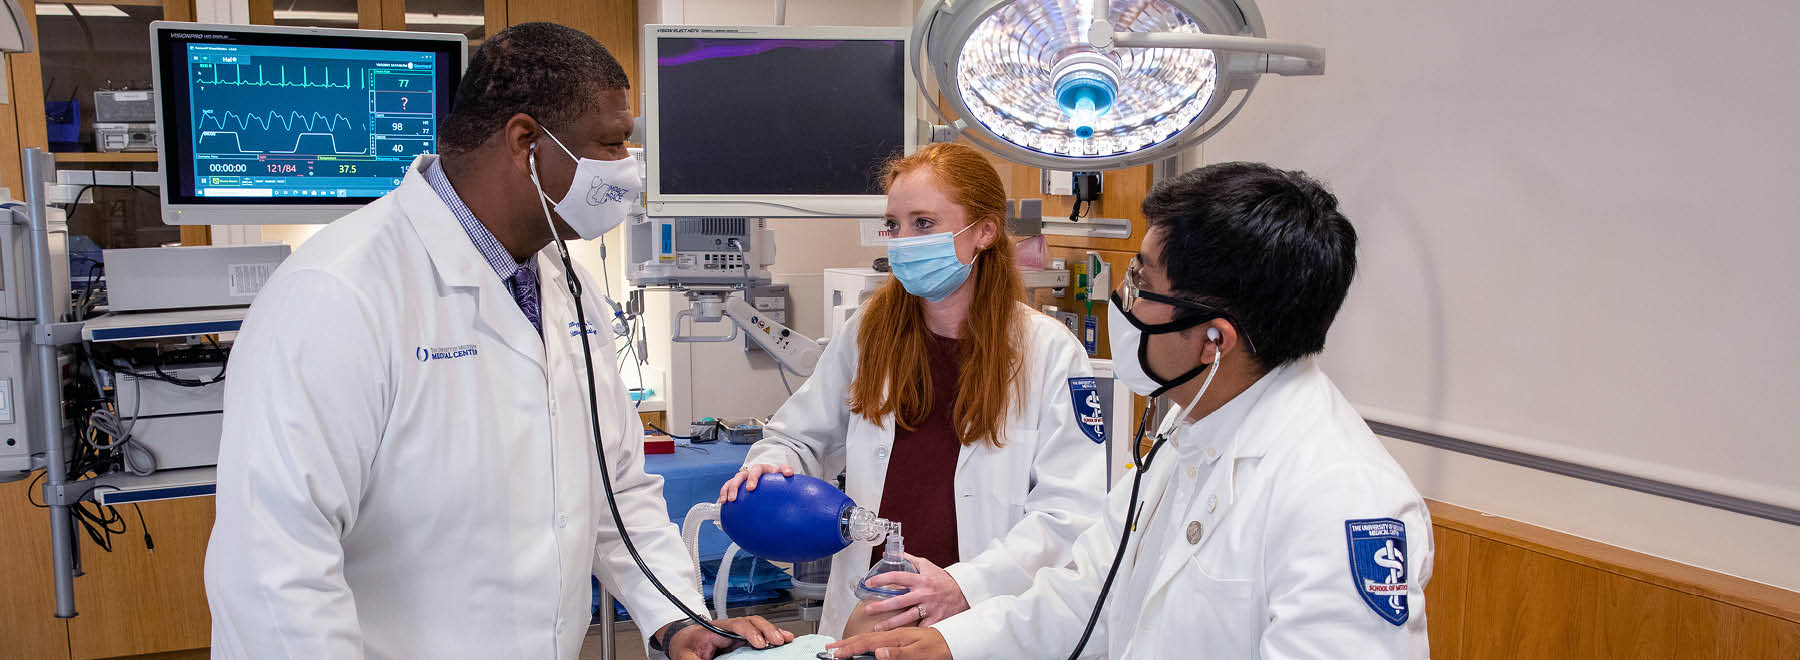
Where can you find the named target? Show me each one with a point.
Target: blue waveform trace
(311, 125)
(287, 123)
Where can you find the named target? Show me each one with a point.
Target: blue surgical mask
(927, 265)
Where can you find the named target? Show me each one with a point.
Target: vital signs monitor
(281, 125)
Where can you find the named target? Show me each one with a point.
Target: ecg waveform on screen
(231, 127)
(281, 79)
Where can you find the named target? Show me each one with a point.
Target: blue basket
(62, 124)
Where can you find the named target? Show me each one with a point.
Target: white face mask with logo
(601, 195)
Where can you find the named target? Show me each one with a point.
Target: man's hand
(697, 643)
(932, 596)
(903, 644)
(748, 476)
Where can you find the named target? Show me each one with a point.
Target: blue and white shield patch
(1378, 565)
(1084, 394)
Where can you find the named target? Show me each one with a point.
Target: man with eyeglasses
(1266, 521)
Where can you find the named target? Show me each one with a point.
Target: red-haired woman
(957, 410)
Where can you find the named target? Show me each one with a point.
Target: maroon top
(921, 491)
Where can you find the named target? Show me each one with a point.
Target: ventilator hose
(722, 584)
(697, 517)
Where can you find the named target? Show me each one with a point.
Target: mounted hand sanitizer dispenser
(797, 519)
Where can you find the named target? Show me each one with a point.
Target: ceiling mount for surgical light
(1096, 84)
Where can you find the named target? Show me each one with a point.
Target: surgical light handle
(1285, 57)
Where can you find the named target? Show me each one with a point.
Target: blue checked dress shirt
(520, 278)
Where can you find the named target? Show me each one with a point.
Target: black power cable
(659, 429)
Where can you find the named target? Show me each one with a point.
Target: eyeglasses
(1131, 291)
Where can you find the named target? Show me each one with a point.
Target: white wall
(1577, 231)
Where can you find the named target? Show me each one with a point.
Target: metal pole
(38, 166)
(607, 651)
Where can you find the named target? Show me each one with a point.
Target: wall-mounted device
(281, 125)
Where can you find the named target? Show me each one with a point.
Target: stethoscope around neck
(587, 356)
(1170, 427)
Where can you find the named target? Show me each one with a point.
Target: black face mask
(1144, 331)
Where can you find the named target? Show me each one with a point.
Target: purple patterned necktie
(524, 285)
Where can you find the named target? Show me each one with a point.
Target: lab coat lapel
(459, 264)
(1259, 429)
(882, 437)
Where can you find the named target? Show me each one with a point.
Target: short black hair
(545, 70)
(1267, 246)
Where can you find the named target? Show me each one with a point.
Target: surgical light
(1095, 84)
(15, 29)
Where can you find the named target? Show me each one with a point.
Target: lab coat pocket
(1221, 611)
(993, 485)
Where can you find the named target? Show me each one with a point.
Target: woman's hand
(751, 474)
(932, 596)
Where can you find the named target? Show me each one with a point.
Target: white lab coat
(396, 478)
(1018, 508)
(1258, 565)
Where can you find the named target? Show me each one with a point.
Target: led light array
(1005, 74)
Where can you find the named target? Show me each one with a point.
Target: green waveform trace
(263, 81)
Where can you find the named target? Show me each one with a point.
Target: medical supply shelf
(126, 326)
(105, 155)
(124, 488)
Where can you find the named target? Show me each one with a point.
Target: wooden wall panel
(183, 10)
(128, 601)
(1525, 605)
(614, 23)
(23, 116)
(1121, 196)
(493, 12)
(1530, 593)
(11, 167)
(262, 12)
(133, 601)
(1690, 580)
(1711, 630)
(393, 14)
(27, 597)
(1636, 620)
(368, 14)
(1447, 593)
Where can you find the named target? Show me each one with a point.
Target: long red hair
(893, 375)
